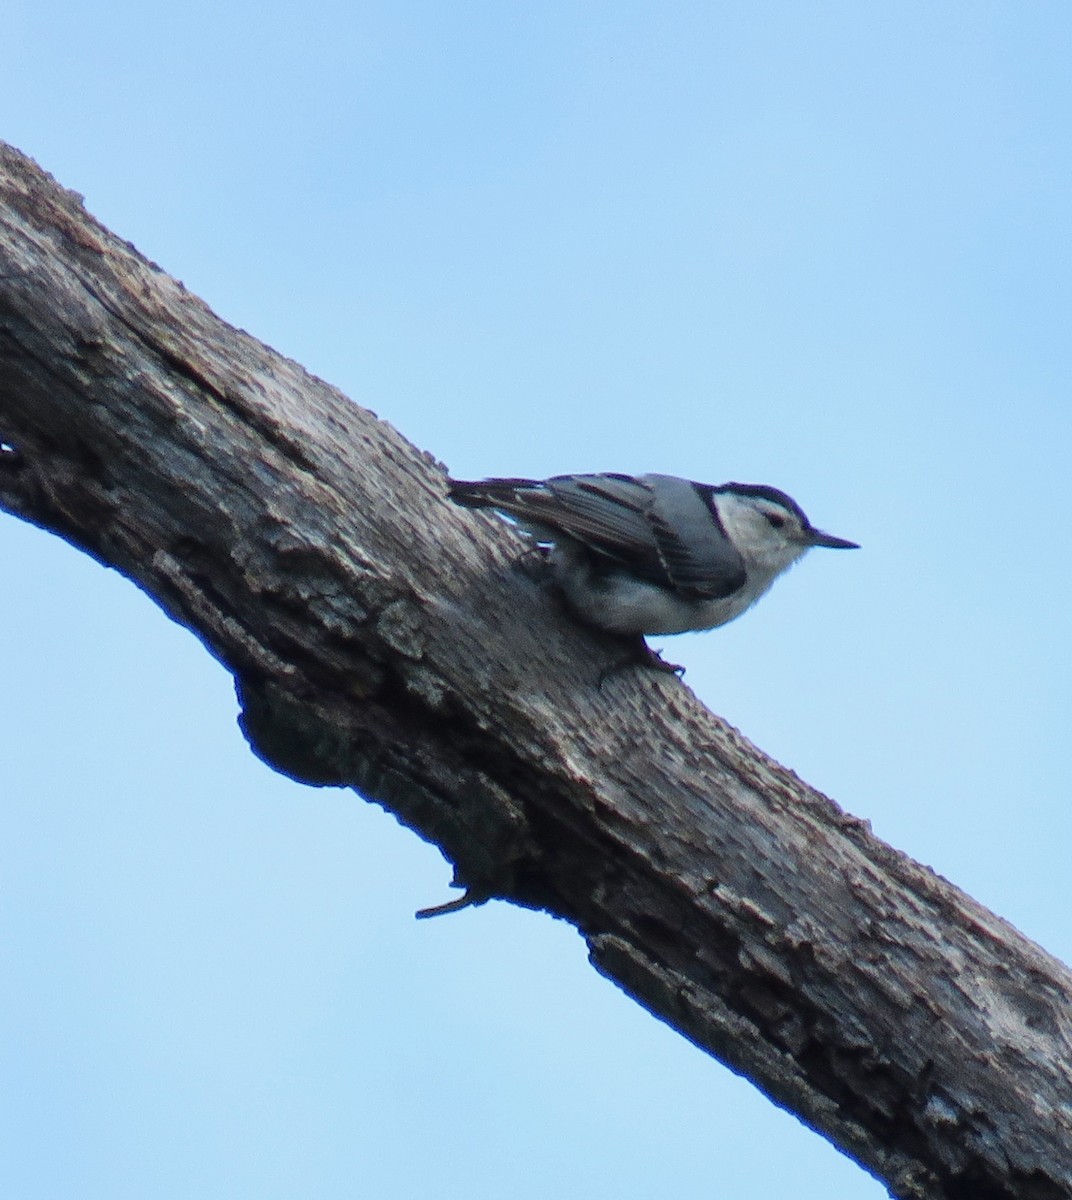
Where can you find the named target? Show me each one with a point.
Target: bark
(382, 638)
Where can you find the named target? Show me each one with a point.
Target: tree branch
(384, 639)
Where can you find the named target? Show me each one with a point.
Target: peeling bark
(384, 639)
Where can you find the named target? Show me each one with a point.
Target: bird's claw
(641, 655)
(533, 561)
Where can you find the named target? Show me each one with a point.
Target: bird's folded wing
(659, 526)
(697, 556)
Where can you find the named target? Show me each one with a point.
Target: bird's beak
(818, 538)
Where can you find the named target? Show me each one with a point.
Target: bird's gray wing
(696, 555)
(660, 527)
(607, 513)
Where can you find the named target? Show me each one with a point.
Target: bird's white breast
(622, 603)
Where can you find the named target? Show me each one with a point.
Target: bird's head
(768, 528)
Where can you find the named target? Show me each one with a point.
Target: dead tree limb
(381, 638)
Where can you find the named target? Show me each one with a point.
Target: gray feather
(661, 528)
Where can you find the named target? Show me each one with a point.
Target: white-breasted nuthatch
(654, 554)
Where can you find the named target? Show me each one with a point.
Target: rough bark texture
(382, 638)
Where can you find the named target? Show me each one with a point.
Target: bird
(650, 555)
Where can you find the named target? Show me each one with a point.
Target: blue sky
(824, 246)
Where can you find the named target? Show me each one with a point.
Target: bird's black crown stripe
(706, 491)
(763, 492)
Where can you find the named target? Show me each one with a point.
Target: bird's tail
(487, 493)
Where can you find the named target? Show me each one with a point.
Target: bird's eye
(773, 519)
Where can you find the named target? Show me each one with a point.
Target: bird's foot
(653, 659)
(641, 655)
(533, 561)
